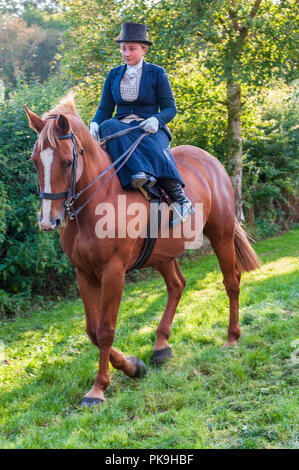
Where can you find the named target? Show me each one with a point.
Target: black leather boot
(182, 206)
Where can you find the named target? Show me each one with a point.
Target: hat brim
(149, 43)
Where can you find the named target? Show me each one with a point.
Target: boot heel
(151, 181)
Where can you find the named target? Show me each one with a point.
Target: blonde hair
(143, 44)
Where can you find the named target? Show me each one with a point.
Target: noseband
(70, 196)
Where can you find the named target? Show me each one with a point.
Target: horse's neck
(95, 161)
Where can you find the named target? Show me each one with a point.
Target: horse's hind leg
(175, 283)
(224, 248)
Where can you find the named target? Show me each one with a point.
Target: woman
(143, 96)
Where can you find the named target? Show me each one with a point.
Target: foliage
(271, 165)
(26, 51)
(247, 41)
(201, 119)
(270, 142)
(245, 397)
(17, 7)
(88, 48)
(240, 43)
(29, 259)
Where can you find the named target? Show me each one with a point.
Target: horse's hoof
(140, 367)
(231, 344)
(161, 356)
(90, 402)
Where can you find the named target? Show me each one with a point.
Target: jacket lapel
(117, 79)
(144, 81)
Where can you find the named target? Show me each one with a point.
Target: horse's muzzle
(50, 225)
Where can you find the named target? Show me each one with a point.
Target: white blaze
(47, 159)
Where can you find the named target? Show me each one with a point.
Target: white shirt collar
(135, 67)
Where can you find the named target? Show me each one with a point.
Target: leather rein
(71, 196)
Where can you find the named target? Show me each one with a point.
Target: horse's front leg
(112, 284)
(90, 291)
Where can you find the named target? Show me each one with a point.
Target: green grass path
(205, 397)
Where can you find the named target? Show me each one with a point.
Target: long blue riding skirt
(153, 154)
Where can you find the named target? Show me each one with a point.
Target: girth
(155, 195)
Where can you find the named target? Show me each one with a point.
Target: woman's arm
(107, 103)
(166, 100)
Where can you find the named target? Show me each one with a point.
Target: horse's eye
(68, 164)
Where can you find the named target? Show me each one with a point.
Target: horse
(102, 262)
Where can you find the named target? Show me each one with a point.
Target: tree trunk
(235, 141)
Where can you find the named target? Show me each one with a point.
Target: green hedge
(30, 261)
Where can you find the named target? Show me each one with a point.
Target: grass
(205, 397)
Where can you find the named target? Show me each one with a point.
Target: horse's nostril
(58, 222)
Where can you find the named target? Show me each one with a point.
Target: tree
(26, 52)
(17, 7)
(244, 43)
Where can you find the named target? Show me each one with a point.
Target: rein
(71, 195)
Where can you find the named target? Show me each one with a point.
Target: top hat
(133, 32)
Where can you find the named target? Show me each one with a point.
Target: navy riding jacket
(155, 97)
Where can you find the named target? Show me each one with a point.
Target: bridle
(70, 196)
(71, 193)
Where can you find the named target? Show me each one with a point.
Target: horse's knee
(105, 336)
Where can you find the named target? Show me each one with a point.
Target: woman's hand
(94, 130)
(150, 125)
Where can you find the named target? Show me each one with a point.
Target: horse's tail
(246, 257)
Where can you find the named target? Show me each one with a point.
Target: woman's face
(132, 52)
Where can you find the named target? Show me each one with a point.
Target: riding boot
(182, 206)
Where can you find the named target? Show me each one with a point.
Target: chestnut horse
(101, 263)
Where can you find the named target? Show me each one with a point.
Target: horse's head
(55, 156)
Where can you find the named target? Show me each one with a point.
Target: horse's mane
(65, 106)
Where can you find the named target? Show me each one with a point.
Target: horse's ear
(63, 123)
(34, 120)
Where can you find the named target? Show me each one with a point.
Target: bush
(270, 181)
(30, 261)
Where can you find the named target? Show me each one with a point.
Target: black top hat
(133, 32)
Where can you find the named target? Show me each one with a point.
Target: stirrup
(144, 192)
(182, 213)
